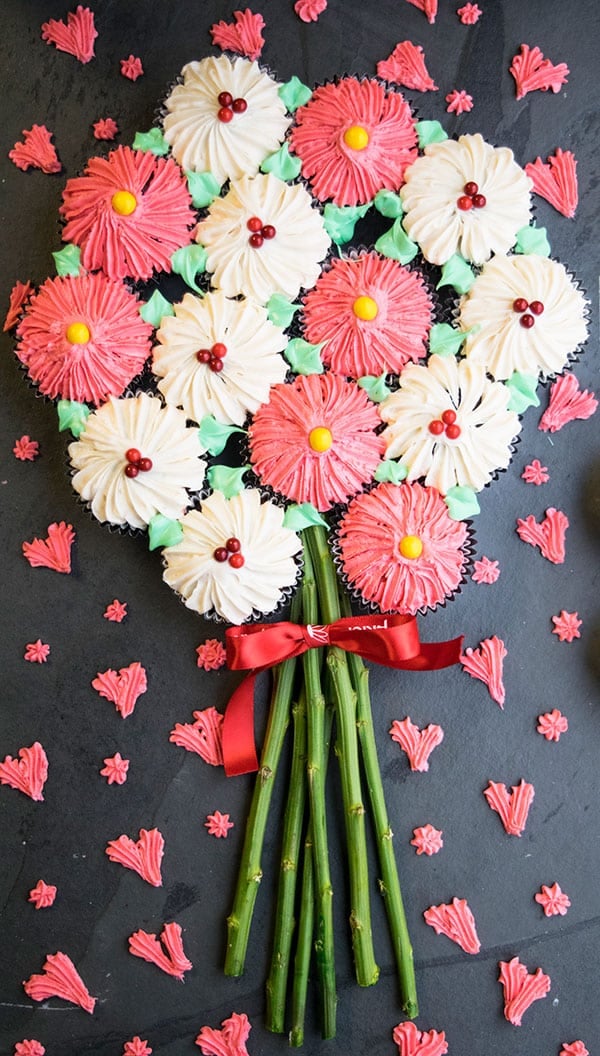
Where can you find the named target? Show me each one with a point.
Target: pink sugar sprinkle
(512, 807)
(243, 35)
(59, 978)
(105, 128)
(459, 102)
(204, 736)
(414, 1042)
(548, 535)
(428, 7)
(469, 14)
(486, 663)
(116, 611)
(309, 10)
(131, 68)
(567, 402)
(553, 901)
(169, 956)
(556, 181)
(427, 840)
(211, 654)
(54, 551)
(25, 449)
(230, 1040)
(115, 769)
(520, 988)
(42, 895)
(485, 571)
(456, 921)
(76, 37)
(535, 473)
(36, 652)
(566, 626)
(406, 66)
(36, 151)
(143, 856)
(122, 688)
(417, 744)
(552, 724)
(218, 824)
(28, 773)
(532, 72)
(19, 295)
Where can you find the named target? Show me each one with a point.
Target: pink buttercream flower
(29, 1048)
(553, 901)
(315, 440)
(36, 652)
(567, 402)
(122, 687)
(116, 611)
(412, 1042)
(574, 1048)
(82, 338)
(455, 920)
(401, 549)
(552, 724)
(42, 895)
(166, 951)
(105, 128)
(353, 139)
(76, 36)
(19, 295)
(406, 66)
(373, 315)
(59, 978)
(54, 551)
(309, 10)
(218, 824)
(25, 449)
(242, 36)
(566, 626)
(415, 743)
(469, 14)
(556, 180)
(486, 663)
(28, 773)
(129, 212)
(532, 72)
(211, 654)
(459, 102)
(131, 68)
(36, 151)
(521, 988)
(535, 473)
(485, 571)
(115, 769)
(143, 855)
(511, 807)
(204, 736)
(229, 1041)
(427, 840)
(136, 1047)
(548, 535)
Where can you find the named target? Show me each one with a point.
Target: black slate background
(62, 840)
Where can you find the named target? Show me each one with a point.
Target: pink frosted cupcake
(353, 139)
(373, 315)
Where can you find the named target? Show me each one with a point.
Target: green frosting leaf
(430, 132)
(152, 141)
(456, 272)
(390, 472)
(214, 435)
(303, 357)
(155, 309)
(389, 204)
(67, 261)
(280, 311)
(72, 415)
(375, 387)
(228, 479)
(444, 340)
(188, 262)
(162, 531)
(339, 221)
(396, 244)
(294, 94)
(522, 392)
(203, 187)
(533, 239)
(303, 516)
(462, 503)
(282, 164)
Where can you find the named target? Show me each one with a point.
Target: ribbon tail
(239, 749)
(433, 656)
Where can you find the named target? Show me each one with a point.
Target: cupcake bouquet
(368, 417)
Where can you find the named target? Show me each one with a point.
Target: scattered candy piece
(428, 7)
(535, 473)
(459, 102)
(218, 824)
(144, 857)
(406, 66)
(486, 571)
(512, 807)
(414, 1042)
(105, 128)
(567, 402)
(131, 68)
(211, 654)
(553, 901)
(54, 551)
(19, 295)
(427, 840)
(76, 37)
(243, 35)
(309, 10)
(487, 663)
(566, 626)
(136, 1047)
(148, 947)
(549, 534)
(116, 611)
(556, 181)
(455, 920)
(29, 1048)
(36, 152)
(59, 978)
(469, 14)
(204, 736)
(42, 895)
(574, 1048)
(520, 988)
(25, 449)
(229, 1041)
(122, 688)
(28, 773)
(36, 652)
(115, 769)
(551, 724)
(532, 72)
(417, 744)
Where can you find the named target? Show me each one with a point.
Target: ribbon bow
(389, 640)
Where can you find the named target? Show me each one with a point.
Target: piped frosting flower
(129, 212)
(315, 440)
(449, 424)
(218, 824)
(25, 449)
(465, 196)
(373, 315)
(136, 458)
(115, 769)
(224, 118)
(427, 840)
(235, 558)
(400, 548)
(528, 314)
(553, 900)
(566, 626)
(552, 724)
(218, 356)
(353, 139)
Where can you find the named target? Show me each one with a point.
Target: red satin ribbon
(389, 640)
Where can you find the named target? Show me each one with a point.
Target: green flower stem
(389, 883)
(250, 872)
(367, 971)
(306, 920)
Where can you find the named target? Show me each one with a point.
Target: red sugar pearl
(254, 223)
(216, 364)
(133, 455)
(220, 554)
(225, 98)
(527, 321)
(479, 200)
(470, 188)
(225, 115)
(219, 349)
(536, 307)
(464, 202)
(233, 545)
(236, 560)
(256, 241)
(449, 417)
(268, 231)
(203, 355)
(436, 427)
(239, 106)
(453, 432)
(131, 470)
(520, 305)
(144, 465)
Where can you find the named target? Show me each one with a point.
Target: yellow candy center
(78, 333)
(365, 308)
(124, 203)
(356, 137)
(320, 438)
(411, 547)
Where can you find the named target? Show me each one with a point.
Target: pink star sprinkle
(218, 824)
(427, 840)
(574, 1048)
(42, 895)
(535, 473)
(553, 901)
(412, 1042)
(551, 724)
(469, 14)
(105, 128)
(132, 68)
(486, 571)
(115, 769)
(566, 626)
(136, 1047)
(211, 654)
(36, 652)
(459, 102)
(116, 611)
(25, 449)
(29, 1048)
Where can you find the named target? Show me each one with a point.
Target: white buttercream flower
(129, 434)
(280, 251)
(528, 316)
(248, 365)
(236, 142)
(449, 424)
(465, 196)
(235, 558)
